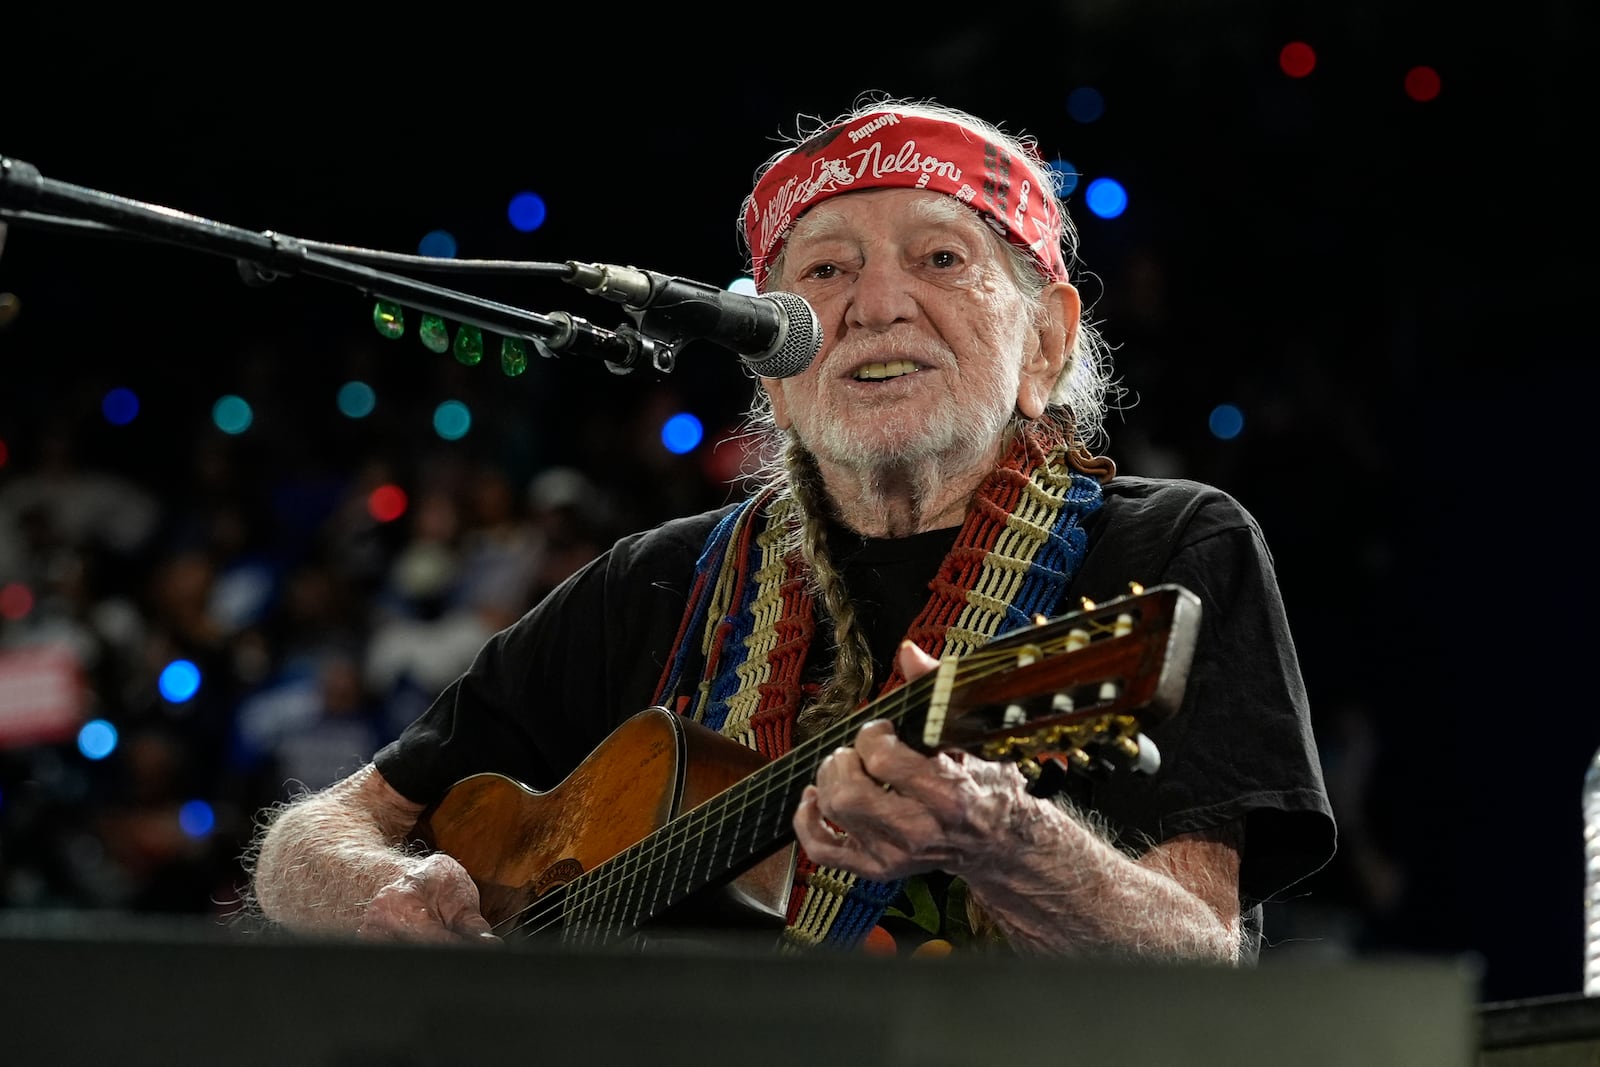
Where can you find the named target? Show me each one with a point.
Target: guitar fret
(573, 906)
(625, 910)
(657, 864)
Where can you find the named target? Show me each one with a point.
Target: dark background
(1388, 289)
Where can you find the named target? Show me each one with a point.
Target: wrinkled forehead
(842, 217)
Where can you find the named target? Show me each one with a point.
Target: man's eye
(944, 259)
(822, 270)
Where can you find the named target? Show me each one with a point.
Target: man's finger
(913, 662)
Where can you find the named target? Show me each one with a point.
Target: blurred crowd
(319, 629)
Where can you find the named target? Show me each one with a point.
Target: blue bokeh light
(526, 211)
(440, 244)
(1085, 104)
(356, 400)
(1226, 422)
(1106, 198)
(179, 681)
(97, 739)
(1066, 175)
(451, 420)
(232, 414)
(197, 818)
(120, 406)
(682, 433)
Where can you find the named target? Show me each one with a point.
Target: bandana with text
(894, 150)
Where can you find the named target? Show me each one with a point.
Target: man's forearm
(1067, 891)
(323, 857)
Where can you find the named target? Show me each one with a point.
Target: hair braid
(850, 681)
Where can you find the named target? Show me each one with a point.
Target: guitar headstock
(1070, 693)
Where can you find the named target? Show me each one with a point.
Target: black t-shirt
(546, 691)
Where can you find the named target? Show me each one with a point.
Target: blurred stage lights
(1085, 104)
(1226, 422)
(682, 433)
(196, 818)
(120, 406)
(16, 601)
(180, 681)
(1297, 59)
(232, 414)
(526, 211)
(1422, 84)
(356, 400)
(451, 420)
(1067, 176)
(97, 739)
(1106, 198)
(386, 503)
(438, 244)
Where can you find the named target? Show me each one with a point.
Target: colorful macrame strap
(750, 622)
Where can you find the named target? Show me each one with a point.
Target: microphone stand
(264, 257)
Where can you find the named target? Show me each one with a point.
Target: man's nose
(881, 296)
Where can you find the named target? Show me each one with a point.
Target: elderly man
(929, 487)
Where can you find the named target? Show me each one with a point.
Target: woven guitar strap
(750, 620)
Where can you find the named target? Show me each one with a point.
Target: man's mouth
(877, 372)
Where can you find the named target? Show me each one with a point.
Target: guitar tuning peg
(1148, 759)
(1135, 588)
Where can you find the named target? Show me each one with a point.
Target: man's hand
(434, 901)
(883, 810)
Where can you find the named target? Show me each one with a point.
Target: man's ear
(1057, 333)
(773, 387)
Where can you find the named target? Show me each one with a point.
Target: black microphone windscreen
(799, 340)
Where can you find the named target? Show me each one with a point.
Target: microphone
(776, 334)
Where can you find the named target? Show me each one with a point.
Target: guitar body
(520, 845)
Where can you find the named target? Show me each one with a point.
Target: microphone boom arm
(266, 256)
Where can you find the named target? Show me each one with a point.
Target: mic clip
(622, 349)
(655, 329)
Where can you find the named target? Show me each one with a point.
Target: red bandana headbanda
(894, 150)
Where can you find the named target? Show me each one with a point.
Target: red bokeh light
(386, 503)
(16, 600)
(1297, 59)
(1422, 84)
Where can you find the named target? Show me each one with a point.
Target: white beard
(951, 444)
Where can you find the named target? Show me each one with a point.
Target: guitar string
(600, 883)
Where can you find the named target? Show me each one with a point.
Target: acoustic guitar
(669, 824)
